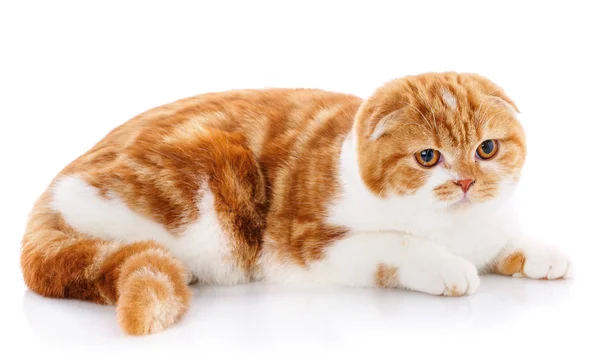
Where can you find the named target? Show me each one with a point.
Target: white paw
(451, 276)
(547, 263)
(460, 277)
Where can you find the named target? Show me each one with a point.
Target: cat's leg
(524, 257)
(390, 260)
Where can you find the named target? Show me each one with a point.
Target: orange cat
(407, 189)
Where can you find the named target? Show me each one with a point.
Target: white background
(70, 72)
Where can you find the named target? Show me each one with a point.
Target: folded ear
(497, 102)
(379, 126)
(494, 92)
(506, 102)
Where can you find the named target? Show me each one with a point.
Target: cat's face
(452, 138)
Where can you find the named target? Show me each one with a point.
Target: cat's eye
(428, 158)
(487, 149)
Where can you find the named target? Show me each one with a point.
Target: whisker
(486, 121)
(424, 99)
(421, 113)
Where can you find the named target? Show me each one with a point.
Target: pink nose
(465, 184)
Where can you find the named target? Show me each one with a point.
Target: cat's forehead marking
(449, 98)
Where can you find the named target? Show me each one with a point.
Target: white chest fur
(476, 234)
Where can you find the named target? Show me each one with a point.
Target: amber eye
(428, 157)
(487, 149)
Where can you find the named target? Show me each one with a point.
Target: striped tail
(146, 283)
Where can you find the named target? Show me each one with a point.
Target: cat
(410, 188)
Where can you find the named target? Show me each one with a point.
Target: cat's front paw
(547, 264)
(537, 263)
(460, 277)
(450, 276)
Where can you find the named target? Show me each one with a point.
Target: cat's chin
(463, 203)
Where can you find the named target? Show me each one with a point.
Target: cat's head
(453, 138)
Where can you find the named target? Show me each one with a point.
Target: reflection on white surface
(258, 313)
(506, 317)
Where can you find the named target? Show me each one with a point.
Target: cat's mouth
(469, 200)
(464, 200)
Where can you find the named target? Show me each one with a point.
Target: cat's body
(288, 186)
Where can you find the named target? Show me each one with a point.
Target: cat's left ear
(383, 125)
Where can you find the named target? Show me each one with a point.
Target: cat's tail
(147, 284)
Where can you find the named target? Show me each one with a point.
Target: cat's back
(253, 112)
(260, 115)
(269, 119)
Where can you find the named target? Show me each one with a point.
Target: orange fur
(511, 264)
(386, 277)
